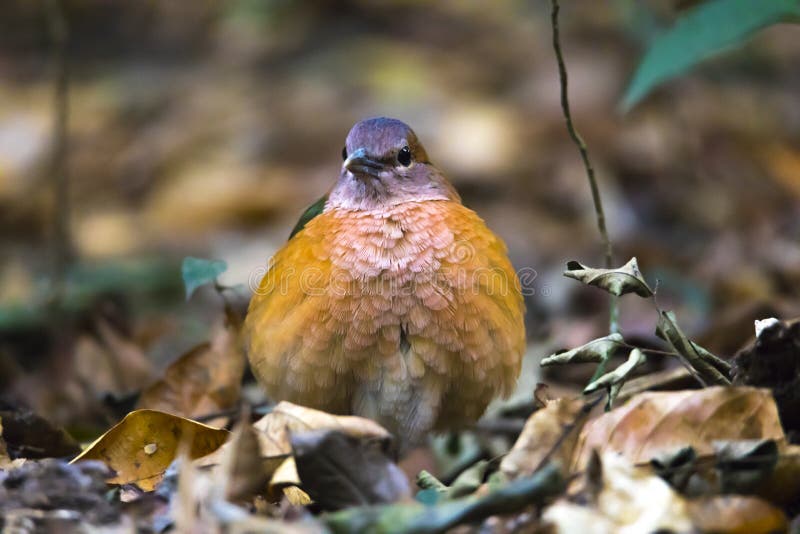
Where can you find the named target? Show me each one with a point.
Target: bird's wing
(312, 211)
(289, 328)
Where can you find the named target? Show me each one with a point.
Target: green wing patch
(312, 211)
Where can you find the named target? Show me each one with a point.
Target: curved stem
(578, 140)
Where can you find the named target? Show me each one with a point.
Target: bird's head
(385, 164)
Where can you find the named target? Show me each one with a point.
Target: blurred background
(205, 128)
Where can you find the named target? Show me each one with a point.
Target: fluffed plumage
(395, 303)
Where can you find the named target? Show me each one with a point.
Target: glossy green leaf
(701, 32)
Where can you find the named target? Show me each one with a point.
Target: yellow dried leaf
(296, 496)
(141, 446)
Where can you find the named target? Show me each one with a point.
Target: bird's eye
(344, 153)
(404, 156)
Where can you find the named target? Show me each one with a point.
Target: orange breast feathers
(419, 297)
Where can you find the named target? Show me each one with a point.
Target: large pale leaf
(651, 425)
(626, 279)
(622, 499)
(701, 32)
(141, 446)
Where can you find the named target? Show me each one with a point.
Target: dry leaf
(653, 424)
(782, 486)
(130, 366)
(28, 435)
(296, 497)
(5, 461)
(293, 418)
(736, 514)
(274, 434)
(618, 375)
(543, 430)
(242, 473)
(784, 162)
(626, 279)
(338, 471)
(141, 446)
(205, 380)
(707, 368)
(628, 500)
(597, 350)
(285, 475)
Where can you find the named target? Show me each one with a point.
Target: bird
(391, 300)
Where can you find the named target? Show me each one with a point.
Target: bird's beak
(360, 165)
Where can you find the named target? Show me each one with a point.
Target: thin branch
(578, 140)
(62, 240)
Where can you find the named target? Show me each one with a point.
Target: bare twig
(568, 428)
(576, 137)
(62, 240)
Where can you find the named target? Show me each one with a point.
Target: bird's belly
(388, 315)
(407, 350)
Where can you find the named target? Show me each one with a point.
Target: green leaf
(198, 272)
(626, 279)
(597, 350)
(696, 361)
(466, 483)
(701, 32)
(426, 480)
(428, 496)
